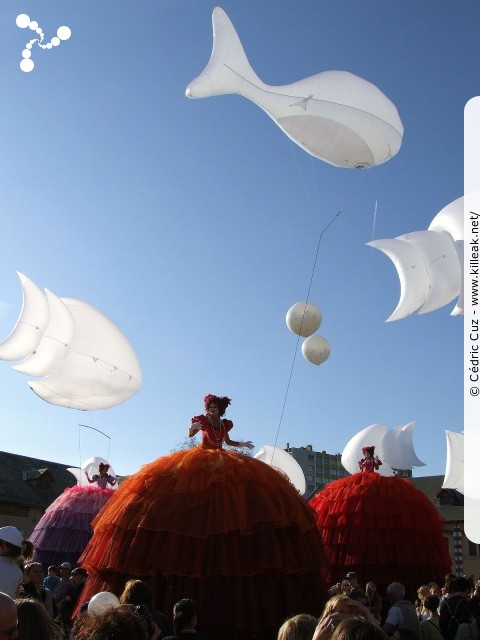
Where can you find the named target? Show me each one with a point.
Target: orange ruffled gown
(222, 528)
(384, 529)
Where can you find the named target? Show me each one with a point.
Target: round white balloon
(103, 601)
(316, 349)
(303, 318)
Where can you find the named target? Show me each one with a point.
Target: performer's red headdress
(370, 450)
(221, 402)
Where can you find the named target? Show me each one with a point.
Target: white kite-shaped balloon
(335, 115)
(283, 462)
(429, 264)
(86, 361)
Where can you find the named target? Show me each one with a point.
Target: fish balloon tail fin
(228, 70)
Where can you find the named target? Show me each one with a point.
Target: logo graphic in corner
(23, 22)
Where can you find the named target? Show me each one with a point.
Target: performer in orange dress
(381, 527)
(216, 526)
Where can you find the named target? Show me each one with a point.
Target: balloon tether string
(98, 431)
(301, 324)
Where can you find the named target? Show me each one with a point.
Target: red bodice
(213, 438)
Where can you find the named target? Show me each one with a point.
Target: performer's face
(213, 409)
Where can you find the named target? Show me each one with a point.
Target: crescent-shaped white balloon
(55, 342)
(86, 361)
(454, 468)
(352, 453)
(283, 462)
(394, 448)
(429, 263)
(31, 324)
(398, 448)
(335, 115)
(441, 261)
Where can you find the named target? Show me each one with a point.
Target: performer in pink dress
(63, 532)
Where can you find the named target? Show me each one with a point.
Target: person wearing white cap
(12, 546)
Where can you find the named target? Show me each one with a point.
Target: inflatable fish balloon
(334, 115)
(86, 361)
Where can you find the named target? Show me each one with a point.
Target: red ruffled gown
(63, 532)
(384, 529)
(222, 528)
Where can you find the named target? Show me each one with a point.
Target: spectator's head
(34, 572)
(449, 578)
(65, 569)
(53, 570)
(461, 585)
(12, 544)
(340, 604)
(357, 628)
(423, 592)
(8, 617)
(136, 592)
(371, 589)
(34, 623)
(118, 623)
(431, 603)
(300, 627)
(395, 592)
(184, 615)
(352, 577)
(78, 575)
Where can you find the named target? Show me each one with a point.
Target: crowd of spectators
(44, 606)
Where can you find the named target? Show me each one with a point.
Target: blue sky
(193, 224)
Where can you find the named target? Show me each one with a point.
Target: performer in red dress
(382, 528)
(369, 462)
(216, 526)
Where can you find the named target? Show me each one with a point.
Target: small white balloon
(22, 21)
(39, 30)
(33, 25)
(303, 318)
(28, 46)
(26, 65)
(103, 601)
(55, 41)
(315, 349)
(49, 45)
(64, 33)
(26, 53)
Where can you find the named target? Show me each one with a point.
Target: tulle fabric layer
(225, 528)
(64, 530)
(384, 529)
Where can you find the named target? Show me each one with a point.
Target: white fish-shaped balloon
(334, 115)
